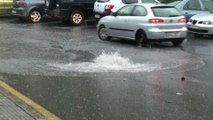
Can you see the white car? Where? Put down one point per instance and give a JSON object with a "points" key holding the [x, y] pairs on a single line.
{"points": [[143, 23], [105, 7], [201, 24]]}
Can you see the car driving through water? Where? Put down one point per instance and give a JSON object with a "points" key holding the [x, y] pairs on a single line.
{"points": [[144, 23]]}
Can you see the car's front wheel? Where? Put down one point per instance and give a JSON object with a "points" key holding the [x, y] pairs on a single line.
{"points": [[102, 33], [35, 16], [76, 17]]}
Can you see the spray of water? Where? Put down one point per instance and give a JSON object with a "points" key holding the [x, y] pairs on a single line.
{"points": [[108, 62]]}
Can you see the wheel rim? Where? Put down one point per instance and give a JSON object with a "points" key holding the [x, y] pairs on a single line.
{"points": [[77, 18], [35, 16], [103, 33]]}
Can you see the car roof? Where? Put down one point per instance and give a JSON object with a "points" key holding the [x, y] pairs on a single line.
{"points": [[151, 4]]}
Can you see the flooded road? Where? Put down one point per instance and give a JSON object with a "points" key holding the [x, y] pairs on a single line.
{"points": [[73, 74]]}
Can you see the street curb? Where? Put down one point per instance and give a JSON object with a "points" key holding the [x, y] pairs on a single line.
{"points": [[40, 109]]}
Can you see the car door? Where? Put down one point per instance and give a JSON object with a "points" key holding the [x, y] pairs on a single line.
{"points": [[138, 18], [118, 24]]}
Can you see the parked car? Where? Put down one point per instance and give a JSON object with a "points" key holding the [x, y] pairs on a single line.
{"points": [[144, 22], [71, 11], [193, 7], [105, 7], [201, 24], [30, 10], [5, 6]]}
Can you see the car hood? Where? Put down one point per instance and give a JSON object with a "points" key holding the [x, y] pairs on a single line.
{"points": [[205, 16]]}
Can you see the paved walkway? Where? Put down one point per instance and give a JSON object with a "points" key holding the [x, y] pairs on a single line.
{"points": [[11, 108], [16, 106]]}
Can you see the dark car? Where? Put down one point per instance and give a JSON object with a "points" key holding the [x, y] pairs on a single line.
{"points": [[72, 11], [30, 10]]}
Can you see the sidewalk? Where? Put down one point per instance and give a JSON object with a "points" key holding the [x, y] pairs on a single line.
{"points": [[11, 108]]}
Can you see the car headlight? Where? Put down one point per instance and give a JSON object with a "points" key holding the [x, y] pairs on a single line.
{"points": [[208, 22]]}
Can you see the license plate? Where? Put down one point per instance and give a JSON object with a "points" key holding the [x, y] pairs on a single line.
{"points": [[97, 16], [171, 34], [13, 11], [194, 27]]}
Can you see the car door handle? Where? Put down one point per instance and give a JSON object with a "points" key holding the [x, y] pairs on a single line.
{"points": [[186, 13]]}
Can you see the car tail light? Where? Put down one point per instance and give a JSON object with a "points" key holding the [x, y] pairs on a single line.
{"points": [[182, 20], [155, 20], [22, 3], [109, 7]]}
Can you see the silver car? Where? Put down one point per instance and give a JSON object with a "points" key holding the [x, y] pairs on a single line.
{"points": [[201, 24], [144, 22], [193, 7]]}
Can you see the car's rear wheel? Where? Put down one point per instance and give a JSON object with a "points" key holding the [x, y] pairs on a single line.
{"points": [[35, 16], [102, 33], [141, 38], [76, 17], [177, 42]]}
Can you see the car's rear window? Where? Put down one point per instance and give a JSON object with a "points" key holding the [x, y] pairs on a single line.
{"points": [[103, 1], [165, 11]]}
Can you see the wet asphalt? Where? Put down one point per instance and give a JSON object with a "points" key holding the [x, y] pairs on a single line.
{"points": [[53, 64]]}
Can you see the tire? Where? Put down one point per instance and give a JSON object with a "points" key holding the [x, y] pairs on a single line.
{"points": [[50, 4], [177, 42], [35, 16], [102, 33], [141, 39], [76, 18]]}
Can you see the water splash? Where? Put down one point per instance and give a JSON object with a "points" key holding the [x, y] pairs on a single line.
{"points": [[108, 62]]}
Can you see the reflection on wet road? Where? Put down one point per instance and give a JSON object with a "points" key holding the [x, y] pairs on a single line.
{"points": [[69, 71]]}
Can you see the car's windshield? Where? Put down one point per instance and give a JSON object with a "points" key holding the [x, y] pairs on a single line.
{"points": [[165, 11], [208, 5]]}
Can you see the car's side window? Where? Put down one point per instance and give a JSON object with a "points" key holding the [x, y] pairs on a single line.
{"points": [[208, 5], [129, 1], [192, 5], [139, 11], [125, 11]]}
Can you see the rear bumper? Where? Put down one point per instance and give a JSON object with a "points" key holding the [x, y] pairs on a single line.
{"points": [[100, 15], [166, 34], [19, 12]]}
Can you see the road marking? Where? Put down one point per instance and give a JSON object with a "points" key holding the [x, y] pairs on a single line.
{"points": [[40, 109]]}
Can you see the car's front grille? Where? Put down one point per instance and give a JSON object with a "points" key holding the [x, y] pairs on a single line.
{"points": [[201, 22], [194, 21], [199, 31]]}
